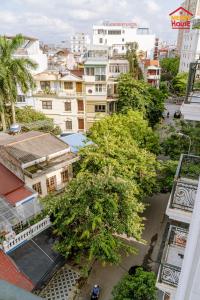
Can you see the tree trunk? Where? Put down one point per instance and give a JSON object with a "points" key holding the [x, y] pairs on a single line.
{"points": [[13, 112], [3, 120]]}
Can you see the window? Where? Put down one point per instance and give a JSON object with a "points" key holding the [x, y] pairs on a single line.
{"points": [[90, 71], [98, 88], [114, 32], [46, 104], [123, 40], [21, 98], [100, 41], [122, 47], [68, 85], [68, 124], [80, 124], [51, 184], [80, 105], [100, 74], [100, 108], [45, 85], [37, 187], [67, 106], [64, 176]]}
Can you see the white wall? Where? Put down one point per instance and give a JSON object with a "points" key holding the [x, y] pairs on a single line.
{"points": [[190, 51], [146, 41], [189, 287]]}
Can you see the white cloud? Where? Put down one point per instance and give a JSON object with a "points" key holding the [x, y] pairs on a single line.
{"points": [[152, 6]]}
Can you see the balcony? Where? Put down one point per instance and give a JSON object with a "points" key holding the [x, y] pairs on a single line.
{"points": [[182, 198], [172, 259], [58, 92]]}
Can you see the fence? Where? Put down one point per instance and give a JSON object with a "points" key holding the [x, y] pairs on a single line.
{"points": [[26, 235]]}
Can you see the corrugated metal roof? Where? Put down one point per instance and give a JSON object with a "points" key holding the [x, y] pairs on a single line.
{"points": [[32, 145], [76, 141]]}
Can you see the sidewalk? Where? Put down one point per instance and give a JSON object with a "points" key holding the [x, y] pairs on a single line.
{"points": [[108, 276]]}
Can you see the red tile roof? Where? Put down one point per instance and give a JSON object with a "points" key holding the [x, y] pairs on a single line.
{"points": [[11, 187], [9, 182], [78, 72], [10, 272], [18, 195]]}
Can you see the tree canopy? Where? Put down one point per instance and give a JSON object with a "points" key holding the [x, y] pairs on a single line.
{"points": [[30, 119], [141, 286], [179, 83], [138, 95], [16, 73], [105, 199], [169, 67]]}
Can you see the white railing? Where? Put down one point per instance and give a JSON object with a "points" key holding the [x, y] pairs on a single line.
{"points": [[26, 235]]}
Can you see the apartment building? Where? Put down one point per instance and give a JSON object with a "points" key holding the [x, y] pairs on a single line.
{"points": [[194, 7], [117, 35], [100, 80], [190, 46], [79, 42], [179, 271], [42, 161], [60, 96], [152, 72], [31, 49]]}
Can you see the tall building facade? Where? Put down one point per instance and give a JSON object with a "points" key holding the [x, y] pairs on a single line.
{"points": [[117, 35], [79, 42], [179, 270]]}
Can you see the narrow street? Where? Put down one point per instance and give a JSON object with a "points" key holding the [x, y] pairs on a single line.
{"points": [[108, 276]]}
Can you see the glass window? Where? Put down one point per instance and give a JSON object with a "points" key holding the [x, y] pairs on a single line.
{"points": [[65, 176], [114, 32], [98, 88], [67, 106], [46, 104], [90, 71], [21, 99], [68, 85], [51, 184], [45, 85], [37, 187], [100, 108], [68, 124]]}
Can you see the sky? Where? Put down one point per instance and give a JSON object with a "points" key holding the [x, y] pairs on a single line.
{"points": [[56, 20]]}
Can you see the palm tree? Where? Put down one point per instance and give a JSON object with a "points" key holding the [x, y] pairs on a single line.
{"points": [[16, 74]]}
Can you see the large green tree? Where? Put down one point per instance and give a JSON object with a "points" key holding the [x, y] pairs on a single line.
{"points": [[169, 67], [92, 211], [30, 119], [105, 199], [16, 73], [138, 95], [141, 286], [179, 83]]}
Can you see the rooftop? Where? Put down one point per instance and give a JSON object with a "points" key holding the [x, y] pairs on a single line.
{"points": [[11, 187], [31, 146], [10, 273], [76, 141]]}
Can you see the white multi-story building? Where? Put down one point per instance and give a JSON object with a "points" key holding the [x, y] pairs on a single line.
{"points": [[179, 271], [117, 35], [190, 46], [31, 49], [79, 42]]}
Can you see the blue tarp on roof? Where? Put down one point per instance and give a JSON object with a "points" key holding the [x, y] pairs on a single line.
{"points": [[76, 141]]}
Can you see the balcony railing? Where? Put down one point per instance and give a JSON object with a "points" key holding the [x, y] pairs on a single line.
{"points": [[57, 92], [170, 274], [173, 255], [26, 235], [185, 183]]}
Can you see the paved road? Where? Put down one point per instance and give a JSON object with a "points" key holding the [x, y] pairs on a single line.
{"points": [[171, 108], [108, 276]]}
